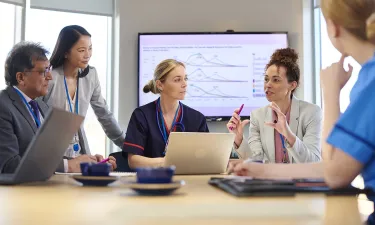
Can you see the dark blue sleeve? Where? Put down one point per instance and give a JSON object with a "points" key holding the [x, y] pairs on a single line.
{"points": [[203, 125], [354, 132], [136, 134]]}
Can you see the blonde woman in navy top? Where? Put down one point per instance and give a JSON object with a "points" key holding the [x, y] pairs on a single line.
{"points": [[150, 125]]}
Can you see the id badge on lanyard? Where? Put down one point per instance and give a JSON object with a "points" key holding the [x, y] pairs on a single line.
{"points": [[75, 143], [162, 126]]}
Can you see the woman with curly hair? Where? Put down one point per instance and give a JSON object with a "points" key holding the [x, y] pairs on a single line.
{"points": [[286, 131]]}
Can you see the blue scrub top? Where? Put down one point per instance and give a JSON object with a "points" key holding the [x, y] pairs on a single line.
{"points": [[354, 132], [143, 136]]}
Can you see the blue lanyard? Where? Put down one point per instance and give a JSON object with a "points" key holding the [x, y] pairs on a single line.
{"points": [[68, 97], [163, 130], [284, 148], [282, 142], [37, 122]]}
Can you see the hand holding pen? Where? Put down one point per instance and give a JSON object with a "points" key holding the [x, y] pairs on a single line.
{"points": [[236, 113], [111, 160], [104, 160], [236, 126]]}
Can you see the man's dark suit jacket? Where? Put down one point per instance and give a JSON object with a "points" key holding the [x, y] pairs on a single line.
{"points": [[17, 128]]}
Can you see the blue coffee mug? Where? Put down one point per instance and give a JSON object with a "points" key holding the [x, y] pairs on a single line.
{"points": [[155, 174]]}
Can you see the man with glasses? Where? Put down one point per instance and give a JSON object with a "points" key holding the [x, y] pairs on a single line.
{"points": [[27, 73]]}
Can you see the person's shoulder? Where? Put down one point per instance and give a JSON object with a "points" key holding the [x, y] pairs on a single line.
{"points": [[192, 112], [369, 65], [93, 68], [146, 109], [366, 78], [5, 101], [259, 112], [4, 95], [92, 71], [309, 111], [366, 72], [56, 73], [309, 107], [143, 113], [91, 78]]}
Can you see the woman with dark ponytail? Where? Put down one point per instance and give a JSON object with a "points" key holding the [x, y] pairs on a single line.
{"points": [[75, 86]]}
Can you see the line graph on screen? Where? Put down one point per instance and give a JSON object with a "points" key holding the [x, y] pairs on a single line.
{"points": [[199, 75], [195, 91], [200, 60]]}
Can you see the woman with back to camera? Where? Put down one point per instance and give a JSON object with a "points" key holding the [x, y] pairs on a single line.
{"points": [[348, 140], [75, 86], [286, 131], [150, 124]]}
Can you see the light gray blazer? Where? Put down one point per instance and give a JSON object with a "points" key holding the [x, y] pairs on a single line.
{"points": [[89, 93], [305, 122]]}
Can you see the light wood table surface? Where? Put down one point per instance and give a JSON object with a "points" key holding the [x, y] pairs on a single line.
{"points": [[62, 200]]}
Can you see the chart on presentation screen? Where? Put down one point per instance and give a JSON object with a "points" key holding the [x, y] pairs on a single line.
{"points": [[217, 75]]}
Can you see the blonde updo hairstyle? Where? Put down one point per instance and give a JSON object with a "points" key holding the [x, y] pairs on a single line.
{"points": [[356, 16], [161, 72]]}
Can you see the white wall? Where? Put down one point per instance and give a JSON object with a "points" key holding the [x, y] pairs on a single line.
{"points": [[199, 15]]}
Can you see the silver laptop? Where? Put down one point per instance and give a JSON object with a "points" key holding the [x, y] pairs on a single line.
{"points": [[199, 153], [46, 149]]}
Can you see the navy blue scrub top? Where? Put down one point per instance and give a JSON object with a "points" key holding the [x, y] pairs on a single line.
{"points": [[143, 136]]}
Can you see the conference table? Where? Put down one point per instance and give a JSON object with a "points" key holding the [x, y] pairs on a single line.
{"points": [[62, 200]]}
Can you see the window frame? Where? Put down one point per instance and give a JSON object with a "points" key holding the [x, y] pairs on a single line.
{"points": [[317, 53]]}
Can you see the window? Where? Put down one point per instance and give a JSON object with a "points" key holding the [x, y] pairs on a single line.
{"points": [[10, 30], [44, 26], [330, 55]]}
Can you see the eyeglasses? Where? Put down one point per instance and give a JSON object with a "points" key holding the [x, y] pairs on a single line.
{"points": [[41, 73]]}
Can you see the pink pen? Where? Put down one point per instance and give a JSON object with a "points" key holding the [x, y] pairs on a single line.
{"points": [[239, 112], [105, 160]]}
